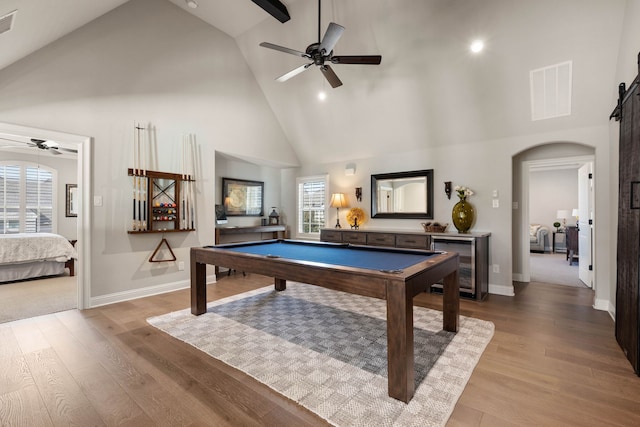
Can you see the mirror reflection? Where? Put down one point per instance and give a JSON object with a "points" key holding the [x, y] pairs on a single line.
{"points": [[402, 195]]}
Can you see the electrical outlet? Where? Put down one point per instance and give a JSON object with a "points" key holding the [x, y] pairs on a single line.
{"points": [[181, 266], [496, 203], [496, 268]]}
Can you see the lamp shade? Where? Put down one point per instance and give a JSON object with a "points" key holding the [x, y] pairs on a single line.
{"points": [[338, 200], [563, 214], [574, 213]]}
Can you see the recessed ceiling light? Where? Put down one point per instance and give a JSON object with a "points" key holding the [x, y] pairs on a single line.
{"points": [[322, 95], [192, 4], [477, 46]]}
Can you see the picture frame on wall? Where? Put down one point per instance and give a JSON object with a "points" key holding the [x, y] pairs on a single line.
{"points": [[242, 197], [71, 200]]}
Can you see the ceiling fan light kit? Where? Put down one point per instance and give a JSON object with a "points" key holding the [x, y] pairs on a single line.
{"points": [[321, 54]]}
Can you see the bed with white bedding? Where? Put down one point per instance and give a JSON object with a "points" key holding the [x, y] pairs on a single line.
{"points": [[30, 255]]}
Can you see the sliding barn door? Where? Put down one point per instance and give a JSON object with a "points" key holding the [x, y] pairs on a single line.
{"points": [[628, 254]]}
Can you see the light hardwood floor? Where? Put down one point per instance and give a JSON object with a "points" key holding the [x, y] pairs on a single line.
{"points": [[553, 361]]}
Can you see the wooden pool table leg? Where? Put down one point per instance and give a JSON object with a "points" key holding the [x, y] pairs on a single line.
{"points": [[451, 303], [280, 284], [198, 287], [401, 374]]}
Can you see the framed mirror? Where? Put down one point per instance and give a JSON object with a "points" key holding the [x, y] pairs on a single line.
{"points": [[402, 195], [242, 198]]}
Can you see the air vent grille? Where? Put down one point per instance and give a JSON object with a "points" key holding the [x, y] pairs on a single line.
{"points": [[6, 21], [551, 91]]}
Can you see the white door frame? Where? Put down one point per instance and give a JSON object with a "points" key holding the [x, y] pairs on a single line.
{"points": [[561, 162], [83, 145]]}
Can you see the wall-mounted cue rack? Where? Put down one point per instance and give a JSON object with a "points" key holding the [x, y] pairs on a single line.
{"points": [[162, 202]]}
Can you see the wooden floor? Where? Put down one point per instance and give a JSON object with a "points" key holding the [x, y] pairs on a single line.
{"points": [[553, 361]]}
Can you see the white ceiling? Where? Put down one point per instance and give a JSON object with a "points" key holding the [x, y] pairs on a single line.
{"points": [[429, 89]]}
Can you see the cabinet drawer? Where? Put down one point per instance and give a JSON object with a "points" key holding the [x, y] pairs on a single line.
{"points": [[355, 238], [331, 236], [381, 239], [412, 242]]}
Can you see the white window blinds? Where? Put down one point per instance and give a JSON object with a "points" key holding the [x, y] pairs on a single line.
{"points": [[26, 199], [312, 196]]}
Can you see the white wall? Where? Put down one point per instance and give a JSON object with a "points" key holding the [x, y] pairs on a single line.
{"points": [[482, 166], [67, 172], [549, 192], [146, 61]]}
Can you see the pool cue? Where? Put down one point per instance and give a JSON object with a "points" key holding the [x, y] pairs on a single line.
{"points": [[144, 182], [191, 183], [135, 173], [182, 201]]}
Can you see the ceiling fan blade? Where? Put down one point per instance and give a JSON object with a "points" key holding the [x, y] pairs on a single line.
{"points": [[331, 37], [284, 49], [357, 59], [331, 77], [293, 72]]}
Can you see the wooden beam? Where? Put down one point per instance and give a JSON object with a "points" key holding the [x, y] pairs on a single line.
{"points": [[275, 9]]}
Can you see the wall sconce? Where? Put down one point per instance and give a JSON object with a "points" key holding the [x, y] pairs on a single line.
{"points": [[447, 189], [359, 193]]}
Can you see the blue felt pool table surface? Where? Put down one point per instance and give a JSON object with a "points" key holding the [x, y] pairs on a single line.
{"points": [[372, 258]]}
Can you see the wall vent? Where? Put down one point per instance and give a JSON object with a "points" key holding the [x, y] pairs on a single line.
{"points": [[551, 91], [6, 21]]}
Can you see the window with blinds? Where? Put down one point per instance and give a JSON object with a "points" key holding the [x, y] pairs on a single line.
{"points": [[312, 205], [26, 198]]}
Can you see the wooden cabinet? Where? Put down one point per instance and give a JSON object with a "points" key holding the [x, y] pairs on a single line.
{"points": [[473, 249], [572, 243], [628, 251]]}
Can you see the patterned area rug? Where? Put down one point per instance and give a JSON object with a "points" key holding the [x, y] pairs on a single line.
{"points": [[327, 350]]}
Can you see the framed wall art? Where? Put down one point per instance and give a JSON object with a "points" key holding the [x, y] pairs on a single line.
{"points": [[242, 197]]}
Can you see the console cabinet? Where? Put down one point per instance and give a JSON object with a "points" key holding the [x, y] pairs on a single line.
{"points": [[473, 249]]}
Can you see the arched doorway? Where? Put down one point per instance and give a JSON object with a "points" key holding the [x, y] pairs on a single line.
{"points": [[555, 155]]}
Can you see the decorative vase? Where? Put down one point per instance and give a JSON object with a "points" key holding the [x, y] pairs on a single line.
{"points": [[462, 216]]}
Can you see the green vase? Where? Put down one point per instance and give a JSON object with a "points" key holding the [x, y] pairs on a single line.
{"points": [[462, 216]]}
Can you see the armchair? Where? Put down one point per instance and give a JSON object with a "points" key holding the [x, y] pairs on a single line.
{"points": [[538, 238]]}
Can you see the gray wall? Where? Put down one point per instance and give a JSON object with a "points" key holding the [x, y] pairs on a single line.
{"points": [[166, 68]]}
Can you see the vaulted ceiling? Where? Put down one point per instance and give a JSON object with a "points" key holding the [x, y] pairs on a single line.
{"points": [[429, 90]]}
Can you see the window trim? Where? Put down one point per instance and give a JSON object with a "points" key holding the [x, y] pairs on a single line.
{"points": [[23, 192], [301, 180]]}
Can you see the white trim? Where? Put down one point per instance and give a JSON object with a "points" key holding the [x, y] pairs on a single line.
{"points": [[506, 290], [143, 292]]}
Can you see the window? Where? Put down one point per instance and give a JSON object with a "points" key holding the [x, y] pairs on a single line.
{"points": [[312, 205], [26, 198]]}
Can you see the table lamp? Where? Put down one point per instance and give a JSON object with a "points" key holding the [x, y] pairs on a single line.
{"points": [[338, 200], [574, 213]]}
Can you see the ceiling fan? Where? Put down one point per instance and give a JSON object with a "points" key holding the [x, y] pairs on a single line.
{"points": [[52, 146], [321, 54]]}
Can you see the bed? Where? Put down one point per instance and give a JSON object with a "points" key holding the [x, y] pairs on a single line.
{"points": [[31, 255]]}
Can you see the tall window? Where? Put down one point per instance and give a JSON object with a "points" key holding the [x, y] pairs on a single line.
{"points": [[26, 198], [312, 205]]}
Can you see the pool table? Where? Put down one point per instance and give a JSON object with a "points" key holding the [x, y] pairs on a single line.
{"points": [[395, 275]]}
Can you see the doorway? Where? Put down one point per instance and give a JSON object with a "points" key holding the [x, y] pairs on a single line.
{"points": [[554, 203], [82, 145], [556, 156]]}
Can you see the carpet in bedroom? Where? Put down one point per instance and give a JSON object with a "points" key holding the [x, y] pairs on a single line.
{"points": [[30, 298]]}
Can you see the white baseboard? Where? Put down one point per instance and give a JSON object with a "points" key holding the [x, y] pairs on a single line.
{"points": [[143, 292], [605, 305], [517, 277], [506, 290]]}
